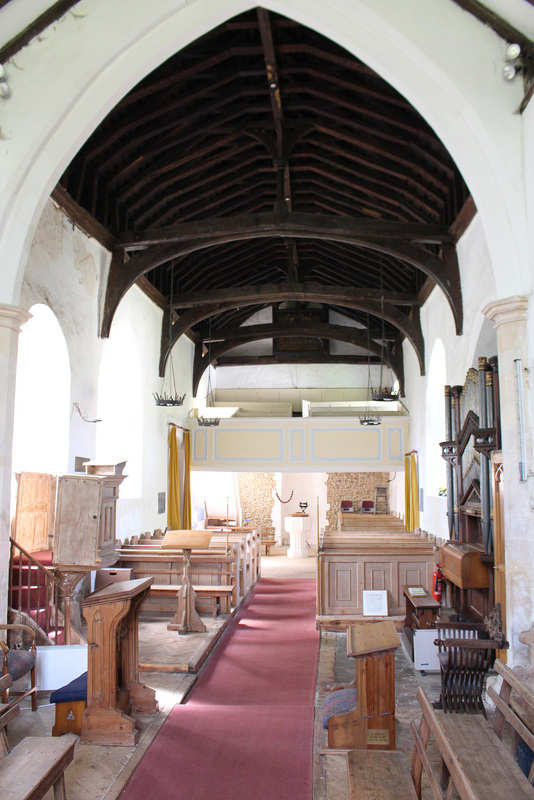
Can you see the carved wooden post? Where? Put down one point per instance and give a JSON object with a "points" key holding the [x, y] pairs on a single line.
{"points": [[458, 473], [453, 533], [485, 500], [186, 618]]}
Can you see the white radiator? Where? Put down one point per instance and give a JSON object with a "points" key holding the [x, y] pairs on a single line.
{"points": [[425, 652], [59, 664]]}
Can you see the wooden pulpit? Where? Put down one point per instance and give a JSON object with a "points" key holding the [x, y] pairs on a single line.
{"points": [[113, 687]]}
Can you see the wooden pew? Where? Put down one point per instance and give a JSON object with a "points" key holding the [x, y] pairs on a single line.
{"points": [[267, 539], [474, 759], [36, 764], [249, 543], [404, 559], [244, 543], [354, 521], [247, 540], [213, 567], [216, 593]]}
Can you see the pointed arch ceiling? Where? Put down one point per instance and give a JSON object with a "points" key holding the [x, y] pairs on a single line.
{"points": [[264, 168]]}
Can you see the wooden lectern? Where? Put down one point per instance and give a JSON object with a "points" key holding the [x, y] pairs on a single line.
{"points": [[113, 687], [371, 725], [186, 617]]}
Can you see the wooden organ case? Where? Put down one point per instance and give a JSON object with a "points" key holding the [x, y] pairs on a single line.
{"points": [[473, 433]]}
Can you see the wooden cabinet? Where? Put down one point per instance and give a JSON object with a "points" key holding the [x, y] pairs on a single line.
{"points": [[462, 565]]}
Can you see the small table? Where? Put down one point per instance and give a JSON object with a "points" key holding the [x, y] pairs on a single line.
{"points": [[373, 645], [421, 612]]}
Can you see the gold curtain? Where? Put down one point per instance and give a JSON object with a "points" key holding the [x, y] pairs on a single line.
{"points": [[173, 515], [411, 493], [187, 480], [407, 510]]}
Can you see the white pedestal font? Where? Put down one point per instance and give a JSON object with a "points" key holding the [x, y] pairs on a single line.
{"points": [[297, 525]]}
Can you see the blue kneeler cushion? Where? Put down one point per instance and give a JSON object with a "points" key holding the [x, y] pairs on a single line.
{"points": [[339, 702], [71, 692]]}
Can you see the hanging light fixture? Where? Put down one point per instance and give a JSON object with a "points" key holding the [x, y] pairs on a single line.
{"points": [[208, 421], [369, 419], [173, 398], [383, 393]]}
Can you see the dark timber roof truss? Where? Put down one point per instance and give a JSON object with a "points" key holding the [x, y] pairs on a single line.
{"points": [[264, 168]]}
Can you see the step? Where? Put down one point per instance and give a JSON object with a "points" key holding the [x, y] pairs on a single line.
{"points": [[20, 595]]}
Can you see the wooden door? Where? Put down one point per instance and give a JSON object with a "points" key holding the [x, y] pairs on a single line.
{"points": [[497, 488], [79, 503], [36, 504]]}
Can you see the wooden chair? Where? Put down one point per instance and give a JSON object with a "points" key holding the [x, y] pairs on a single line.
{"points": [[465, 660], [18, 662]]}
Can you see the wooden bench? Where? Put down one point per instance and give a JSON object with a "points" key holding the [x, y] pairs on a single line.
{"points": [[36, 764], [268, 543], [218, 593], [368, 775], [70, 702], [474, 761]]}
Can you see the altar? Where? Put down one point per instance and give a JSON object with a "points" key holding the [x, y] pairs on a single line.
{"points": [[297, 526]]}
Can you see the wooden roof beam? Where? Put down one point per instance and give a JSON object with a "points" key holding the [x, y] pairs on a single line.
{"points": [[410, 327], [202, 360]]}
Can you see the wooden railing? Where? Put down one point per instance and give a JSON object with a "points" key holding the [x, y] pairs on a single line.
{"points": [[47, 591]]}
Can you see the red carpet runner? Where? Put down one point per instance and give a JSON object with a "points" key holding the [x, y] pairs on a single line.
{"points": [[246, 733]]}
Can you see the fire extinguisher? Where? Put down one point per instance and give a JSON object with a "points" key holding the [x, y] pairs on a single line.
{"points": [[436, 583]]}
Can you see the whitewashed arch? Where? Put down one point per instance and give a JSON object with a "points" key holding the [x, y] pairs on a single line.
{"points": [[443, 60], [42, 396]]}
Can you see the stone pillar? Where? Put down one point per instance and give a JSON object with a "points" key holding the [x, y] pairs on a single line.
{"points": [[11, 321], [510, 319]]}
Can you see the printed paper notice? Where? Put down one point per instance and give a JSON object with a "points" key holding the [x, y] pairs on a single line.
{"points": [[375, 603]]}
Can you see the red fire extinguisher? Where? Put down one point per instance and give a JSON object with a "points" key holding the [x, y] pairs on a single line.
{"points": [[436, 583]]}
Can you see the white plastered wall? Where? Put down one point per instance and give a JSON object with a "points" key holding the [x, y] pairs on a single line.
{"points": [[64, 272]]}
